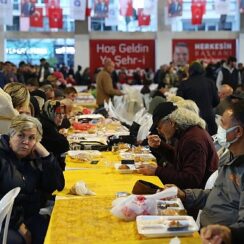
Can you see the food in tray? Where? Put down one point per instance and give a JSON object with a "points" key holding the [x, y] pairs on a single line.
{"points": [[122, 146], [138, 149], [165, 226], [172, 212], [123, 166], [91, 131], [84, 155], [164, 205], [176, 225]]}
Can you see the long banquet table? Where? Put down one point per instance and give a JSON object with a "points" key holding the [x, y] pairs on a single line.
{"points": [[87, 219]]}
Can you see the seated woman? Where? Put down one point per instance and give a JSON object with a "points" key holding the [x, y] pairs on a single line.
{"points": [[51, 118], [25, 163], [192, 158], [13, 99]]}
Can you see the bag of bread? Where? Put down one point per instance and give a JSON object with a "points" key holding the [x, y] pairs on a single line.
{"points": [[80, 188]]}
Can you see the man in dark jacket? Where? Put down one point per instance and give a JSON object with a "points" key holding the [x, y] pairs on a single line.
{"points": [[203, 92], [229, 74], [193, 158]]}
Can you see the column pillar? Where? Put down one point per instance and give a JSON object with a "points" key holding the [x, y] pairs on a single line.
{"points": [[82, 48], [2, 44]]}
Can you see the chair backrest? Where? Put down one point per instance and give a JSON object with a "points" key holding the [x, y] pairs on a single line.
{"points": [[209, 185], [6, 205]]}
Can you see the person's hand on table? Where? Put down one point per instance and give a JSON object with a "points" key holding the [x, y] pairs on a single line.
{"points": [[215, 234], [180, 194], [147, 169], [154, 141], [64, 131]]}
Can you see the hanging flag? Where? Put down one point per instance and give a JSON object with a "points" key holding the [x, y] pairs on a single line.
{"points": [[126, 7], [24, 23], [198, 9], [26, 8], [174, 8], [222, 6], [88, 12], [113, 15], [150, 6], [36, 19], [100, 8], [55, 16], [143, 19], [51, 4], [78, 9], [241, 4], [6, 15]]}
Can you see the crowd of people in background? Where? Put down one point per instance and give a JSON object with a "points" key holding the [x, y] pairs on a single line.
{"points": [[181, 130]]}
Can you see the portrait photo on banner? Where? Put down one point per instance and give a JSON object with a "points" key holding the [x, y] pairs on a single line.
{"points": [[174, 8], [100, 8], [27, 8]]}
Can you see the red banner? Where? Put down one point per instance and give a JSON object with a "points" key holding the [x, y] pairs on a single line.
{"points": [[130, 54], [187, 50]]}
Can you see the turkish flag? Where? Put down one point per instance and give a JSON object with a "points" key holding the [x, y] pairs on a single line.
{"points": [[143, 19], [88, 12], [198, 9], [55, 16], [36, 19], [50, 4], [126, 7]]}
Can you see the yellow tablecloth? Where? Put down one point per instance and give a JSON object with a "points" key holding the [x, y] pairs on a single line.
{"points": [[106, 157], [87, 219], [104, 182]]}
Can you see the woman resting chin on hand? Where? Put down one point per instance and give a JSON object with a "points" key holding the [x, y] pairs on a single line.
{"points": [[25, 163]]}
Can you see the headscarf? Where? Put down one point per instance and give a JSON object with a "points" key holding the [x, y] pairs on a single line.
{"points": [[52, 107]]}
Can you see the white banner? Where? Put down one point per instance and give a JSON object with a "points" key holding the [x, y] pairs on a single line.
{"points": [[222, 6], [6, 15], [113, 15], [150, 6], [24, 23], [78, 9]]}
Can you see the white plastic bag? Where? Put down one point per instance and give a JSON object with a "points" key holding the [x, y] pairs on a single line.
{"points": [[128, 208]]}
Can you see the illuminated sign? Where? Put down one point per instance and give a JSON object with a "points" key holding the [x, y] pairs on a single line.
{"points": [[65, 50], [24, 50]]}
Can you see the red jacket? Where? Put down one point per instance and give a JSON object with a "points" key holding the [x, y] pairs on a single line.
{"points": [[193, 161]]}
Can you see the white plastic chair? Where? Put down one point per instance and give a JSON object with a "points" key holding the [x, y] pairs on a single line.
{"points": [[209, 185], [6, 205]]}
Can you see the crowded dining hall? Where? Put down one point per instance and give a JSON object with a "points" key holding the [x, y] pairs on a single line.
{"points": [[122, 121]]}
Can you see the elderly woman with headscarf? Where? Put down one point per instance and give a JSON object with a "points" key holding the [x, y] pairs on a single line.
{"points": [[192, 158], [25, 163], [51, 118]]}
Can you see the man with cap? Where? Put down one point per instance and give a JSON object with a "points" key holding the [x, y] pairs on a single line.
{"points": [[190, 155]]}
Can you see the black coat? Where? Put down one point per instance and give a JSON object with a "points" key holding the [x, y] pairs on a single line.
{"points": [[204, 93], [36, 178], [52, 140]]}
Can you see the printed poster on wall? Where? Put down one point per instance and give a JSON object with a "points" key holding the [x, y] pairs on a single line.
{"points": [[187, 50], [131, 54]]}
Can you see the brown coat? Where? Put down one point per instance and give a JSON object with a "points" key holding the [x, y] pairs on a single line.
{"points": [[105, 88]]}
